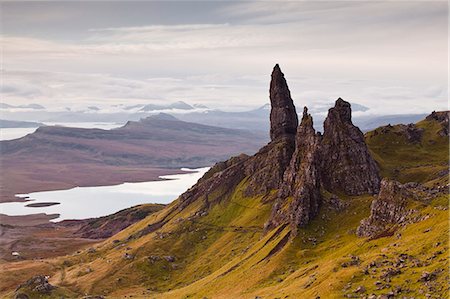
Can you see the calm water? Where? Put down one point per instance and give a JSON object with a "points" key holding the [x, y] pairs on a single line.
{"points": [[87, 202], [14, 133]]}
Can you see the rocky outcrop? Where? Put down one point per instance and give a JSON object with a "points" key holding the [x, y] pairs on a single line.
{"points": [[107, 226], [38, 284], [387, 210], [292, 168], [443, 118], [222, 178], [283, 117], [299, 196], [410, 132], [347, 165]]}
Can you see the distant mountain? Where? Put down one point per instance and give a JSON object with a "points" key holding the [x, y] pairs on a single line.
{"points": [[141, 150], [19, 124], [29, 106], [177, 105], [367, 123]]}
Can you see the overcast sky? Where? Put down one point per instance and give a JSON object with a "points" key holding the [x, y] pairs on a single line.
{"points": [[389, 56]]}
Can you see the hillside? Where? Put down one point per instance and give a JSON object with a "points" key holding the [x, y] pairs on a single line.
{"points": [[307, 216], [139, 151]]}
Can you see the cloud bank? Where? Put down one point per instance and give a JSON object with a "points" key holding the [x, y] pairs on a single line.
{"points": [[389, 56]]}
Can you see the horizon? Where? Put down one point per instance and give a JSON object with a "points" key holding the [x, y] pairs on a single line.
{"points": [[156, 53]]}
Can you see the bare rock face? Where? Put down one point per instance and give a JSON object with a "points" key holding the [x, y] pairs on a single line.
{"points": [[283, 117], [223, 175], [299, 197], [347, 165], [265, 170], [389, 208], [443, 118]]}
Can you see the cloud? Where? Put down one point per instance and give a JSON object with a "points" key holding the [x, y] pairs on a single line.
{"points": [[389, 56]]}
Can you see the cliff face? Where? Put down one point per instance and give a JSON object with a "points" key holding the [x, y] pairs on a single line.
{"points": [[299, 196], [347, 165], [290, 171]]}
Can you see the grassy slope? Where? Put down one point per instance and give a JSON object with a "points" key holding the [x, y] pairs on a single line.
{"points": [[226, 255], [409, 162]]}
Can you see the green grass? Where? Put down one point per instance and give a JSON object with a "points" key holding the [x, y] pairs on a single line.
{"points": [[410, 162]]}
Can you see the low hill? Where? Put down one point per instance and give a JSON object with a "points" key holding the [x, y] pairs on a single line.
{"points": [[139, 151]]}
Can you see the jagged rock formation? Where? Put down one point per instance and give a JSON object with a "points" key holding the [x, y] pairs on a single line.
{"points": [[443, 118], [283, 117], [266, 169], [389, 208], [347, 165], [299, 196]]}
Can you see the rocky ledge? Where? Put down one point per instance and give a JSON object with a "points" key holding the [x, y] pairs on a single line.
{"points": [[390, 208]]}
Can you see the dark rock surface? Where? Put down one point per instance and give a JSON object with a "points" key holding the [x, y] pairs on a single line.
{"points": [[283, 117], [301, 181], [347, 165], [412, 133], [389, 208], [443, 118]]}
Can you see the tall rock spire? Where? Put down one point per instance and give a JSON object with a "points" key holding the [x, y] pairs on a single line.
{"points": [[347, 165], [283, 117], [301, 181]]}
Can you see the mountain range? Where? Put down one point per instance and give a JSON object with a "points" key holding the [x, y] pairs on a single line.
{"points": [[254, 119]]}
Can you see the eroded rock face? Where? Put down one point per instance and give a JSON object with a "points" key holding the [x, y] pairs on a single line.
{"points": [[283, 117], [347, 165], [389, 208], [299, 196], [265, 170], [223, 175], [443, 118]]}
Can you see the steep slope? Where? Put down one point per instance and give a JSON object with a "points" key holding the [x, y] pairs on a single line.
{"points": [[265, 226]]}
